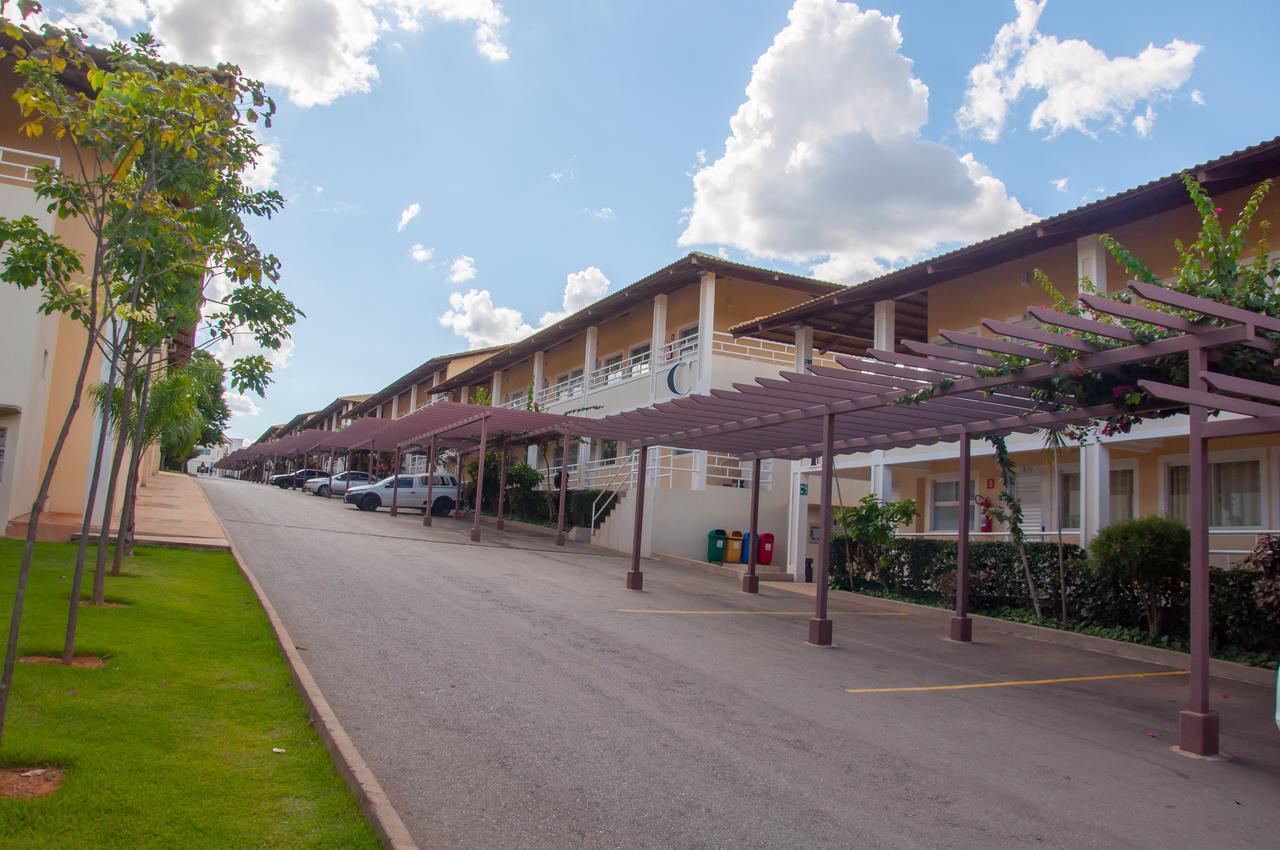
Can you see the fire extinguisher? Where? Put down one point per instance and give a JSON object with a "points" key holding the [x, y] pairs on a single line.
{"points": [[984, 519]]}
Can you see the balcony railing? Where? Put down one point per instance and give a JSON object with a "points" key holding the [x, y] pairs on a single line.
{"points": [[16, 166], [635, 366]]}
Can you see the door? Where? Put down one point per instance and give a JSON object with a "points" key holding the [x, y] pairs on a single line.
{"points": [[1031, 496]]}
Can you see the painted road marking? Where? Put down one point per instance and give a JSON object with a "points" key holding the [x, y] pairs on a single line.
{"points": [[1015, 684], [766, 613]]}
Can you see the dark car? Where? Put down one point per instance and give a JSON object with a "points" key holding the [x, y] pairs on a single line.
{"points": [[297, 478]]}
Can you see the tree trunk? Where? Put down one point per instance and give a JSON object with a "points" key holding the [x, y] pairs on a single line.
{"points": [[117, 459], [1031, 582], [33, 520], [124, 540], [77, 576]]}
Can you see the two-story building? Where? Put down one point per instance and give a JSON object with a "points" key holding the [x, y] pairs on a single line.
{"points": [[1111, 478], [663, 337]]}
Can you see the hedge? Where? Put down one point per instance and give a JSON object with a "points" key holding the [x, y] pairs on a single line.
{"points": [[1245, 604]]}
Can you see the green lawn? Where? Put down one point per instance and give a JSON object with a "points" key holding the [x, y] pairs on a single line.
{"points": [[169, 745]]}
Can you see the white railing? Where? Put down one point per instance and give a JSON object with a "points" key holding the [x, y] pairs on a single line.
{"points": [[780, 354], [568, 389], [682, 349], [16, 165], [519, 402], [635, 366]]}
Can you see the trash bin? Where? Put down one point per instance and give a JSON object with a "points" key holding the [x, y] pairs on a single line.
{"points": [[808, 570], [715, 545], [747, 543], [764, 555], [733, 548]]}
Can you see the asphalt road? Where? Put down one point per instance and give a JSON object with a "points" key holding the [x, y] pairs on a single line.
{"points": [[505, 697]]}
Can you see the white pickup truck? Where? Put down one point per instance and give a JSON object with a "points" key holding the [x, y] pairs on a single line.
{"points": [[411, 493]]}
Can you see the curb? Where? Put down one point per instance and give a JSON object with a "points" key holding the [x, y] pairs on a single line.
{"points": [[1229, 670], [351, 765]]}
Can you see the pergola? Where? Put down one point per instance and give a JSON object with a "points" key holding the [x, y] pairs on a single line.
{"points": [[448, 424], [935, 393]]}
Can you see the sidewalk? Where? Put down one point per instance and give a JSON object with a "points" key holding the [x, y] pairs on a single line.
{"points": [[173, 511]]}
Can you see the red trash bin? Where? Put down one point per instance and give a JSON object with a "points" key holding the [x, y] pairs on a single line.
{"points": [[764, 555]]}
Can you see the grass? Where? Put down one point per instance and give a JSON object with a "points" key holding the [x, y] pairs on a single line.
{"points": [[169, 745]]}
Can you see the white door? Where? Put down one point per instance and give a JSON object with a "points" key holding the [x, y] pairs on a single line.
{"points": [[1031, 496]]}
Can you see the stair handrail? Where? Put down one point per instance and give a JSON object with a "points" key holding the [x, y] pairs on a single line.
{"points": [[612, 488]]}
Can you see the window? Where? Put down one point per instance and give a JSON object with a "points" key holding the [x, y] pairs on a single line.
{"points": [[1235, 493], [1069, 500], [945, 507], [609, 451], [640, 359], [1123, 495]]}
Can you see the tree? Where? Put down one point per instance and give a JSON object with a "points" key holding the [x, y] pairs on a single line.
{"points": [[1150, 554], [153, 156], [870, 527]]}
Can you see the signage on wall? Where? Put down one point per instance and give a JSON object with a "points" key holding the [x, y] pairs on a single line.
{"points": [[804, 488], [991, 484], [678, 381]]}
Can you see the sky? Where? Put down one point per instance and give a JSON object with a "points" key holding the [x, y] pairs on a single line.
{"points": [[461, 172]]}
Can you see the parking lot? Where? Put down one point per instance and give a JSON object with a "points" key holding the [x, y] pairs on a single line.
{"points": [[512, 694]]}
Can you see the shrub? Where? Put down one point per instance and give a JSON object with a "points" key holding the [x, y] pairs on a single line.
{"points": [[869, 528], [1151, 555]]}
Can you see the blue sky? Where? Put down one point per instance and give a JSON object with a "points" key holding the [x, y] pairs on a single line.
{"points": [[477, 104]]}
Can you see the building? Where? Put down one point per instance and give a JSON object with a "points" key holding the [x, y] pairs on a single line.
{"points": [[41, 356], [207, 456], [1120, 475], [663, 337]]}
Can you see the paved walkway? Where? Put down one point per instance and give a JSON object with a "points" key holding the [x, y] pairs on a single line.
{"points": [[519, 697], [174, 511]]}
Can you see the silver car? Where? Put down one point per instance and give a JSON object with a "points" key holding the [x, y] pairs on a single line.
{"points": [[411, 493], [341, 482]]}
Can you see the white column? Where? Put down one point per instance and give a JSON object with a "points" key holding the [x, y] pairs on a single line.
{"points": [[1095, 490], [657, 343], [699, 470], [797, 523], [395, 406], [881, 477], [539, 362], [804, 347], [1091, 261], [464, 394], [584, 457], [589, 356], [413, 398], [706, 328], [885, 338], [495, 390], [435, 382]]}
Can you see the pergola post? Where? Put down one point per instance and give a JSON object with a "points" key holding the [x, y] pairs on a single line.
{"points": [[961, 625], [820, 625], [457, 508], [395, 482], [564, 487], [1198, 724], [502, 484], [329, 492], [751, 581], [431, 480], [475, 521], [635, 578], [370, 465]]}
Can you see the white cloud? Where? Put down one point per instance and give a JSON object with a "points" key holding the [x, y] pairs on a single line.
{"points": [[580, 289], [317, 50], [462, 269], [1081, 88], [262, 175], [408, 214], [1197, 97], [820, 171], [556, 176], [1144, 123], [241, 405], [475, 318], [420, 252], [604, 213], [1060, 183]]}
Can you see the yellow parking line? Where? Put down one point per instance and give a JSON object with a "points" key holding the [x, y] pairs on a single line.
{"points": [[1015, 684], [765, 613]]}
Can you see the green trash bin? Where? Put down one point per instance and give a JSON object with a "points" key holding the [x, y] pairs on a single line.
{"points": [[716, 539]]}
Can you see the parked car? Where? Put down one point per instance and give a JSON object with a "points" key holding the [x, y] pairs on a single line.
{"points": [[412, 493], [297, 478], [320, 486]]}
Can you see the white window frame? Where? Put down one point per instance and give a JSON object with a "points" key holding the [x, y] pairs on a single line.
{"points": [[1128, 463], [944, 478], [1266, 482]]}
